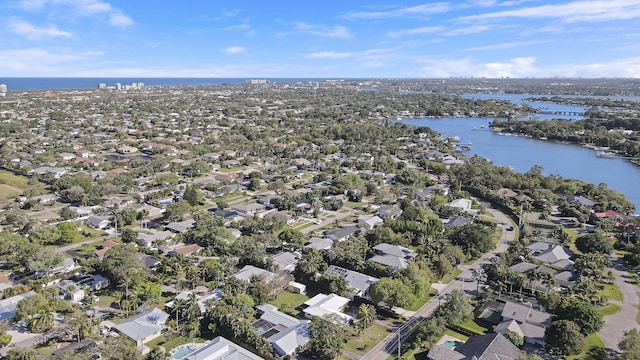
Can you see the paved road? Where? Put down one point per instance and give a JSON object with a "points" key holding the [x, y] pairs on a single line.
{"points": [[624, 320], [388, 346]]}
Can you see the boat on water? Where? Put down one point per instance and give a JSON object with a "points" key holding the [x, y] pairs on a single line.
{"points": [[606, 154]]}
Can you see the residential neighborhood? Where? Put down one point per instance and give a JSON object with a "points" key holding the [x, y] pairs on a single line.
{"points": [[271, 221]]}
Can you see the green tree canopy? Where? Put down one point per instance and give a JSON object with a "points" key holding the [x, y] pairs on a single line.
{"points": [[564, 338], [326, 339]]}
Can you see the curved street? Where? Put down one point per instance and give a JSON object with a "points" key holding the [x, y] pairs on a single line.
{"points": [[624, 320]]}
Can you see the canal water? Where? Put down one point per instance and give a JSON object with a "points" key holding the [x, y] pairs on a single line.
{"points": [[522, 153]]}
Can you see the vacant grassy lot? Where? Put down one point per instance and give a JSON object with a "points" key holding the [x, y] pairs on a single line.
{"points": [[363, 343], [288, 302]]}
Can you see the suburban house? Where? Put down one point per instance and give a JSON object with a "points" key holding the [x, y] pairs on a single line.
{"points": [[556, 255], [389, 212], [369, 221], [359, 283], [8, 305], [327, 306], [319, 244], [181, 226], [144, 327], [480, 347], [156, 237], [221, 349], [394, 256], [249, 271], [249, 209], [463, 205], [527, 322], [287, 261], [342, 234], [98, 222], [71, 290], [456, 221], [286, 334]]}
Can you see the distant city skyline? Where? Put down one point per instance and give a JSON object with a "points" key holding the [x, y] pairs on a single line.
{"points": [[374, 39]]}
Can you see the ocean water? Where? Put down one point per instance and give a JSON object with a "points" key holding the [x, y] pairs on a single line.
{"points": [[52, 83]]}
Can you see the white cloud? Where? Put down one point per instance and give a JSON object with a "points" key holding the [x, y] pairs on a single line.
{"points": [[575, 11], [468, 30], [41, 62], [415, 31], [120, 20], [522, 67], [336, 31], [86, 8], [412, 11], [330, 55], [232, 50], [33, 32], [507, 45], [231, 13], [239, 27]]}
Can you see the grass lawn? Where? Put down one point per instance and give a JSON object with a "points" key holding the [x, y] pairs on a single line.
{"points": [[10, 184], [475, 325], [373, 335], [303, 225], [609, 309], [87, 249], [231, 169], [612, 292], [418, 302], [288, 302], [450, 276], [456, 335], [8, 192], [593, 349]]}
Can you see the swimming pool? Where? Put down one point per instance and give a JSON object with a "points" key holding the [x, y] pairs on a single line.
{"points": [[182, 352], [451, 344]]}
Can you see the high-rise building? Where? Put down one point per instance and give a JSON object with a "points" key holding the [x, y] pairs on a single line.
{"points": [[256, 81], [102, 86], [118, 86], [3, 88]]}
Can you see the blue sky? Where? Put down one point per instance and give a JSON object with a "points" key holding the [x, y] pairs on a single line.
{"points": [[329, 38]]}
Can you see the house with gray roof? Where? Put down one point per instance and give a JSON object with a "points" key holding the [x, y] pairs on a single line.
{"points": [[492, 346], [8, 305], [144, 327], [98, 222], [391, 212], [319, 244], [222, 349], [369, 221], [524, 313], [342, 234], [552, 254], [287, 261], [359, 283], [285, 333], [456, 221], [180, 227], [395, 256]]}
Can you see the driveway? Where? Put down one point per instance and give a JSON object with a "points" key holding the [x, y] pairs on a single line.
{"points": [[624, 320]]}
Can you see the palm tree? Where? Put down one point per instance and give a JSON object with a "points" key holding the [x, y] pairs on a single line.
{"points": [[367, 314], [193, 329], [532, 277]]}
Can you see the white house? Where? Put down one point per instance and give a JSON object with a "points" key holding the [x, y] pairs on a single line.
{"points": [[327, 306]]}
